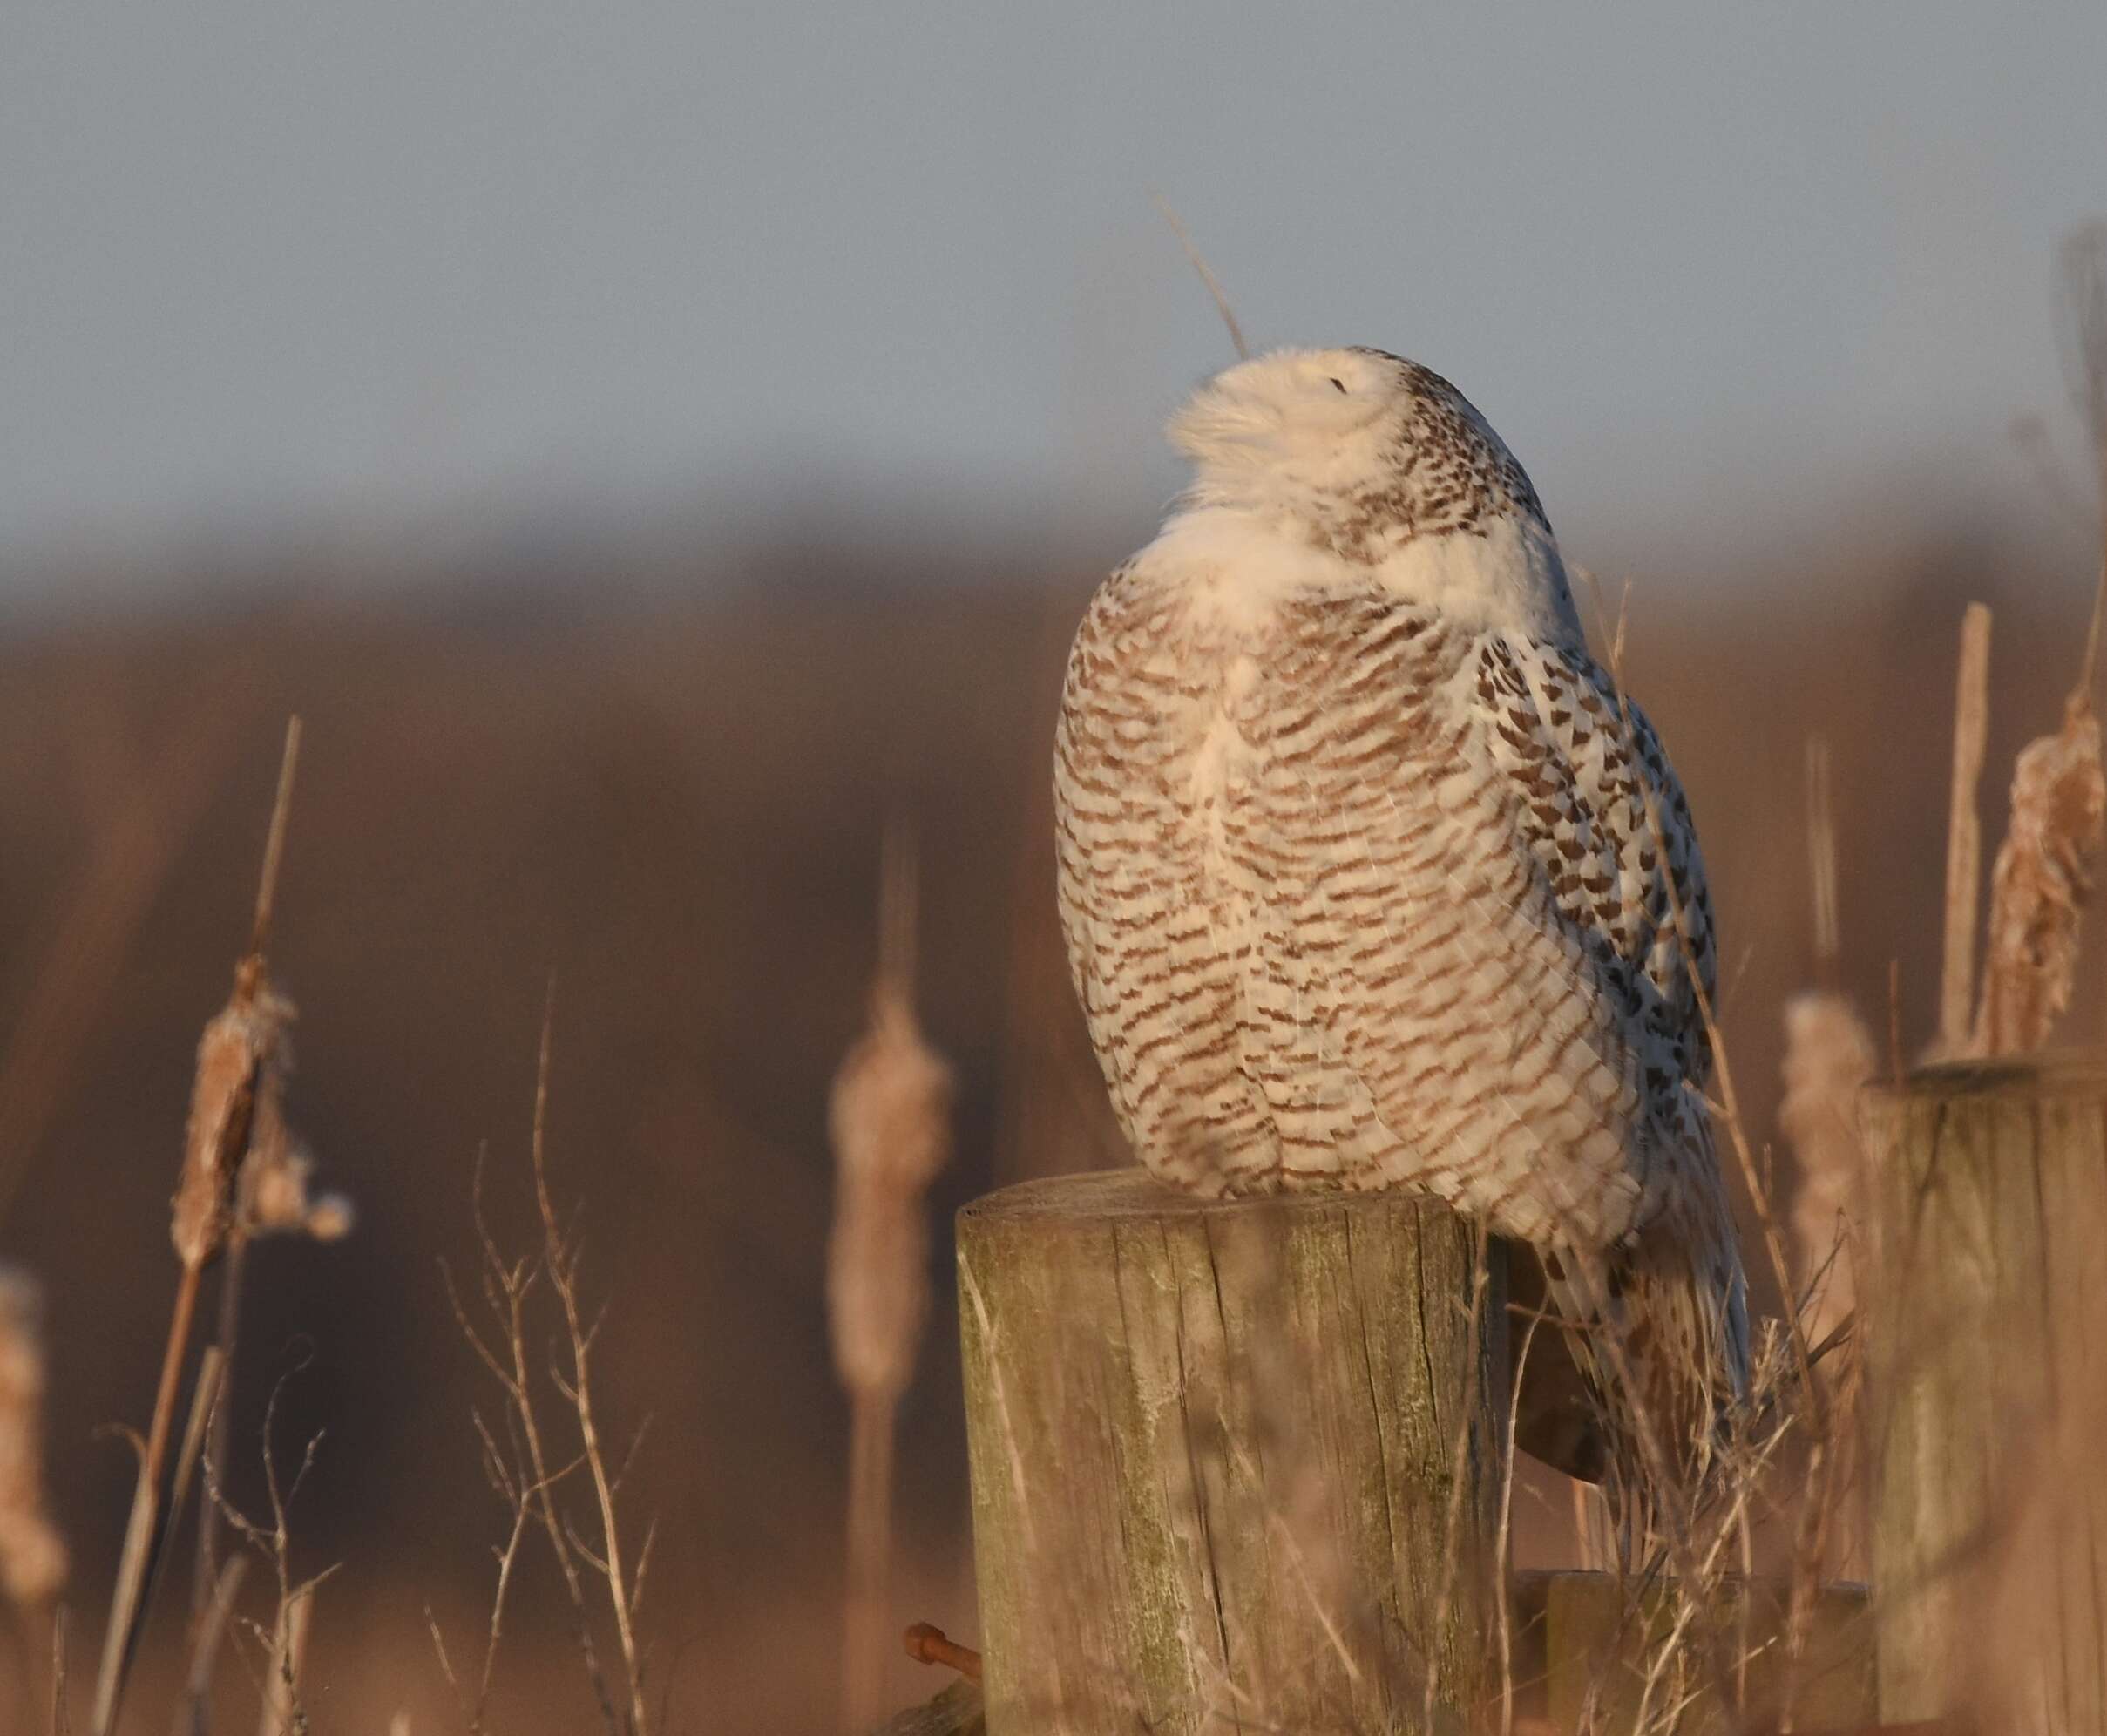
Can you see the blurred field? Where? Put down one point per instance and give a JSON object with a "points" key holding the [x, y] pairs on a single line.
{"points": [[668, 787]]}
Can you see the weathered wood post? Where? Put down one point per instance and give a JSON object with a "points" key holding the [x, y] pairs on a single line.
{"points": [[1987, 1360], [1235, 1464]]}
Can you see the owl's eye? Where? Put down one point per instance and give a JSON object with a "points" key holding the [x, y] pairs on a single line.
{"points": [[1341, 385]]}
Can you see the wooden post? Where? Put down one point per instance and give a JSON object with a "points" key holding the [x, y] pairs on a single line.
{"points": [[1988, 1417], [1235, 1464]]}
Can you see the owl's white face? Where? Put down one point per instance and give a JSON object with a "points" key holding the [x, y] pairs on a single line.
{"points": [[1354, 437], [1328, 417], [1377, 465]]}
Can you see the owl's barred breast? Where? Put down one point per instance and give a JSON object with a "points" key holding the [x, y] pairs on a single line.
{"points": [[1371, 878], [1310, 951]]}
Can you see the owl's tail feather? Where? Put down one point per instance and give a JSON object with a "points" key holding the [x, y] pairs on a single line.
{"points": [[1656, 1332]]}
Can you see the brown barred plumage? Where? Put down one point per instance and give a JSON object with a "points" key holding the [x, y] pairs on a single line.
{"points": [[1356, 867]]}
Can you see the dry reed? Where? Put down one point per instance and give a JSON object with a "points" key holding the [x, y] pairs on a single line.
{"points": [[238, 1120], [237, 1095], [1964, 832], [890, 1118], [1828, 922], [1207, 276], [59, 1722]]}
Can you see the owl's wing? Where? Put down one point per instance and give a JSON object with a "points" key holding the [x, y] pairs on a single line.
{"points": [[1601, 812], [1471, 856]]}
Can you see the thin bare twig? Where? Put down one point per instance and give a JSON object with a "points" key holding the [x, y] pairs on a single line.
{"points": [[60, 1723], [1207, 276], [560, 1261], [280, 1714], [519, 1461], [529, 1484], [284, 1644], [192, 1708]]}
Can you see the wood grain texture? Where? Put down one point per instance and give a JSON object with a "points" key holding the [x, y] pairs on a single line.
{"points": [[1215, 1451], [1989, 1394]]}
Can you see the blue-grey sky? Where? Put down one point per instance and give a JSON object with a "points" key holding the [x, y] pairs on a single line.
{"points": [[389, 259]]}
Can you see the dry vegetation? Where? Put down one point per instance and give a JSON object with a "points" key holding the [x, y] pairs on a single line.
{"points": [[474, 809], [546, 1457], [677, 806]]}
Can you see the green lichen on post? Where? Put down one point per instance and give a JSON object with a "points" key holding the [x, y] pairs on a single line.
{"points": [[1216, 1450]]}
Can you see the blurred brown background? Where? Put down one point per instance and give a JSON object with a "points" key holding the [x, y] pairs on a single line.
{"points": [[651, 447], [664, 782]]}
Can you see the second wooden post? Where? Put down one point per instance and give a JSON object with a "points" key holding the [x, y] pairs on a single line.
{"points": [[1989, 1395], [1235, 1464]]}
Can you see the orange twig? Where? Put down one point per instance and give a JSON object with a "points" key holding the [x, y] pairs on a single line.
{"points": [[928, 1645]]}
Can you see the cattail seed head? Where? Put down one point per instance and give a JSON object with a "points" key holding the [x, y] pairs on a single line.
{"points": [[890, 1117], [330, 1218], [1829, 1059], [242, 1060], [2039, 887], [32, 1554]]}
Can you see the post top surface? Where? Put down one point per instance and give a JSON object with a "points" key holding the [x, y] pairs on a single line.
{"points": [[2059, 1073], [1133, 1192]]}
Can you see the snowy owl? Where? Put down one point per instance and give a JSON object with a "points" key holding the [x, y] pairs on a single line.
{"points": [[1356, 867]]}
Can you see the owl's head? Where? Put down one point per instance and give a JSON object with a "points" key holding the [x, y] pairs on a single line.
{"points": [[1366, 449]]}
